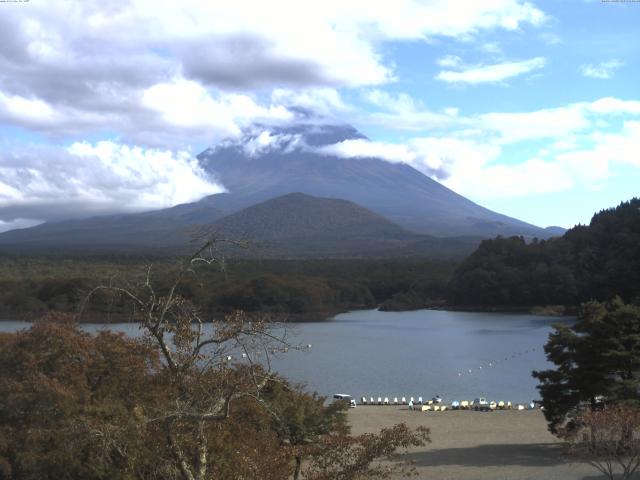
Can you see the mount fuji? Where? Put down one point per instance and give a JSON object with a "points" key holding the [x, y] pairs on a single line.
{"points": [[355, 205]]}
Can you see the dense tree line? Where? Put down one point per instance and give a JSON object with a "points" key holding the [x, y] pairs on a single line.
{"points": [[598, 261], [296, 289]]}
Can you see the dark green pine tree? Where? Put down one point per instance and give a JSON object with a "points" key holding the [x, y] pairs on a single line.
{"points": [[598, 356]]}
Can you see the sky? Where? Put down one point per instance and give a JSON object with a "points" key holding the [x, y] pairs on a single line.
{"points": [[530, 108]]}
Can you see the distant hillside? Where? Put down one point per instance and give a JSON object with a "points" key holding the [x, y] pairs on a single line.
{"points": [[158, 231], [299, 225], [597, 261], [292, 226], [555, 231], [297, 215]]}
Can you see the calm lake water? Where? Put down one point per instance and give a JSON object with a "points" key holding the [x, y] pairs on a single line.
{"points": [[458, 355]]}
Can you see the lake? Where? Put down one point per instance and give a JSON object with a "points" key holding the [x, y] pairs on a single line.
{"points": [[458, 355]]}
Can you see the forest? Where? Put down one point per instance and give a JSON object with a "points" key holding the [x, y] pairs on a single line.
{"points": [[295, 290], [589, 262]]}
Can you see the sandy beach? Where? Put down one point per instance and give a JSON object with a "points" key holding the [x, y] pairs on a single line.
{"points": [[468, 445]]}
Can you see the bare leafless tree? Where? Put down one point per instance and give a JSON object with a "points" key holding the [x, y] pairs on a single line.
{"points": [[608, 439], [208, 364]]}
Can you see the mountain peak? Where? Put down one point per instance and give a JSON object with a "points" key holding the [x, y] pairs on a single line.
{"points": [[259, 140], [269, 161], [319, 135]]}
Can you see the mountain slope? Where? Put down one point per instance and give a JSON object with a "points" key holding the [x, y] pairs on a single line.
{"points": [[161, 229], [291, 226], [394, 190], [297, 215], [299, 225]]}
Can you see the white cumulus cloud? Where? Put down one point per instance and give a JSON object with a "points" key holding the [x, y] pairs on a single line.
{"points": [[537, 124], [468, 155], [494, 73], [49, 183], [80, 67], [603, 70], [436, 157], [187, 104]]}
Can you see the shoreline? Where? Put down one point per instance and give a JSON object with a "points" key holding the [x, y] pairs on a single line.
{"points": [[541, 310], [92, 318], [326, 316]]}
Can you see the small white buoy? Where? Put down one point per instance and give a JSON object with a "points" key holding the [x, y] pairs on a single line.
{"points": [[228, 358]]}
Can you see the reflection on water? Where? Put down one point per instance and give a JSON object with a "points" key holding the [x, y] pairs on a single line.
{"points": [[458, 355]]}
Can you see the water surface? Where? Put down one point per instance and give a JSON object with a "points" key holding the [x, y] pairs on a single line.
{"points": [[458, 355]]}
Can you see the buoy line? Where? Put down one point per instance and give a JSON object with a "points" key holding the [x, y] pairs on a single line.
{"points": [[494, 363]]}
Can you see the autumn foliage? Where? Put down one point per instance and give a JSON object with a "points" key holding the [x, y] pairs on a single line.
{"points": [[75, 405]]}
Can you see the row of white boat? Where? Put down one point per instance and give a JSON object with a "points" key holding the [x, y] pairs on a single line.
{"points": [[435, 404]]}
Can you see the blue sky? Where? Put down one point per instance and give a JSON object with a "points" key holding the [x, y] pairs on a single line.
{"points": [[531, 109]]}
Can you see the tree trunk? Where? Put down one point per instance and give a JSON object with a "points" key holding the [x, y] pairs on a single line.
{"points": [[183, 466], [202, 452], [296, 473]]}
